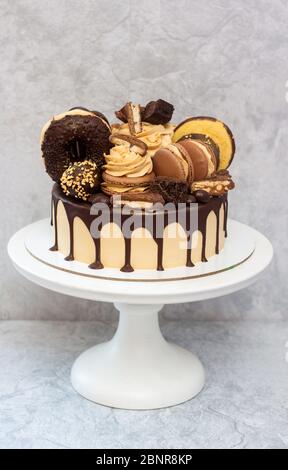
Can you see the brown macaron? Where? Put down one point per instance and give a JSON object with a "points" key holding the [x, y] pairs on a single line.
{"points": [[202, 157], [173, 161], [211, 129]]}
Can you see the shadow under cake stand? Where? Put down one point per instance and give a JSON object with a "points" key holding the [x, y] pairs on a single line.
{"points": [[138, 368]]}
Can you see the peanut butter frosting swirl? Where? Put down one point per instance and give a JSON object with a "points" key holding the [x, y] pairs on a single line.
{"points": [[153, 135], [125, 161]]}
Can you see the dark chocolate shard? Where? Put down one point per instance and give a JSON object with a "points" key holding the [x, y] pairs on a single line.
{"points": [[158, 112]]}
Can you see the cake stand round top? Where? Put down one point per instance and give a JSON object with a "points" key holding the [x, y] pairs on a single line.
{"points": [[160, 291]]}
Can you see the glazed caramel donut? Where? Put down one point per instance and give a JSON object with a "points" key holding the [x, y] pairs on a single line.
{"points": [[74, 136]]}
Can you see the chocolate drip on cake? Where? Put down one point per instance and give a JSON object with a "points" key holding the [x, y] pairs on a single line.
{"points": [[97, 264], [225, 215], [82, 209], [54, 204], [127, 268], [70, 256], [159, 239], [51, 212], [189, 262], [217, 232], [202, 222], [159, 242]]}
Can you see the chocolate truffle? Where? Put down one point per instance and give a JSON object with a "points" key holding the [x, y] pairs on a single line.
{"points": [[81, 180], [201, 196]]}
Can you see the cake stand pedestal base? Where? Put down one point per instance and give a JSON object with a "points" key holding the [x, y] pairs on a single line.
{"points": [[137, 368]]}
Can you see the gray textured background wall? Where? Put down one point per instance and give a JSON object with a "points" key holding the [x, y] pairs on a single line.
{"points": [[214, 57]]}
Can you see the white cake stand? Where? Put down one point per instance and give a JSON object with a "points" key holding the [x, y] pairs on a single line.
{"points": [[138, 368]]}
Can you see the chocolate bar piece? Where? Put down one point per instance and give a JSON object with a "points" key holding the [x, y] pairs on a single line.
{"points": [[122, 114], [140, 147], [134, 118], [214, 186]]}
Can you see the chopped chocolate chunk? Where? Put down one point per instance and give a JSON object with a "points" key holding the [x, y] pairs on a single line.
{"points": [[172, 190], [158, 112]]}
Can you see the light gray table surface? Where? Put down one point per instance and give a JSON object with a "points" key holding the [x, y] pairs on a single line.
{"points": [[244, 403]]}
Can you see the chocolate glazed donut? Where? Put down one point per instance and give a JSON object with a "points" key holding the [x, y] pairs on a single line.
{"points": [[73, 138]]}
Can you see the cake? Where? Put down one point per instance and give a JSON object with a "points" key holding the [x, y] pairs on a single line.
{"points": [[141, 193]]}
